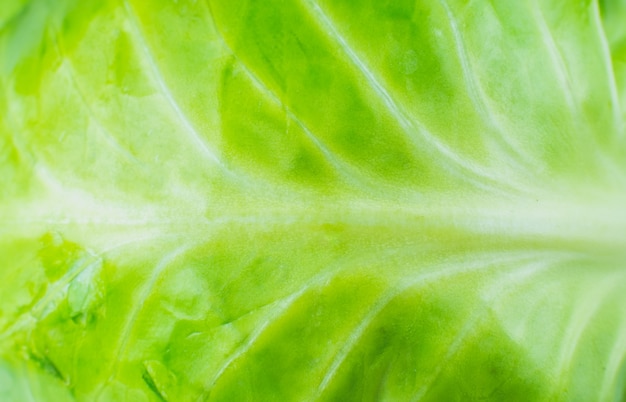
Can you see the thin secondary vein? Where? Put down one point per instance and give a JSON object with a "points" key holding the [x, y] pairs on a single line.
{"points": [[587, 306], [340, 166], [615, 360], [431, 276], [138, 306], [497, 290], [166, 92], [477, 95], [410, 126], [109, 137], [556, 60], [283, 305], [606, 55]]}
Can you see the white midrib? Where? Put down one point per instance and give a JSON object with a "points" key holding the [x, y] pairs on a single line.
{"points": [[542, 222], [601, 223]]}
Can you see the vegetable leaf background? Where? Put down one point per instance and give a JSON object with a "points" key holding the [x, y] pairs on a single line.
{"points": [[312, 200]]}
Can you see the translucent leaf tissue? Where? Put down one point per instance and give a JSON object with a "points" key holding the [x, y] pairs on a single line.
{"points": [[312, 200]]}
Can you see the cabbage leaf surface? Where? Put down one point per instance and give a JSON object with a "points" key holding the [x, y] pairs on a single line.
{"points": [[294, 200]]}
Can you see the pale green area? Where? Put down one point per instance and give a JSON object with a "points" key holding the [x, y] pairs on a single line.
{"points": [[312, 200], [614, 12]]}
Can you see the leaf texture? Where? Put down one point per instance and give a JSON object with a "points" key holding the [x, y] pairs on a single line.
{"points": [[312, 200]]}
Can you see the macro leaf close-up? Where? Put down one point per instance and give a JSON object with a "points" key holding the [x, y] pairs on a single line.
{"points": [[312, 200]]}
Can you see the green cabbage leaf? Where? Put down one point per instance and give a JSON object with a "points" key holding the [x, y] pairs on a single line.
{"points": [[302, 200]]}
